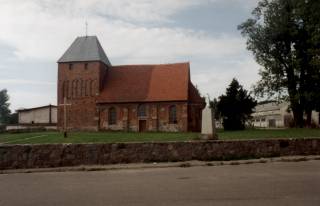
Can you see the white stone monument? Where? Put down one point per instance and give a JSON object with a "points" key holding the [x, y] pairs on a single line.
{"points": [[208, 125]]}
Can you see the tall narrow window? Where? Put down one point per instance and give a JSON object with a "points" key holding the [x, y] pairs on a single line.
{"points": [[83, 88], [66, 89], [73, 89], [77, 89], [173, 114], [142, 110], [86, 66], [93, 85], [70, 66], [112, 116], [87, 91]]}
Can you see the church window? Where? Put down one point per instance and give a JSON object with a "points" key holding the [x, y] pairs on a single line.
{"points": [[86, 66], [86, 88], [65, 89], [70, 66], [82, 88], [173, 114], [142, 110], [112, 116], [93, 85], [77, 89], [73, 89]]}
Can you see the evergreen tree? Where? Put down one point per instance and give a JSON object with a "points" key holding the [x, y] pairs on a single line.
{"points": [[235, 107]]}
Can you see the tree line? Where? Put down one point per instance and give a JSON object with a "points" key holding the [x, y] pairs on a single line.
{"points": [[6, 117], [284, 37]]}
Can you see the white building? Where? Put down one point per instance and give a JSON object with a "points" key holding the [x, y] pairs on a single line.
{"points": [[274, 114], [45, 115]]}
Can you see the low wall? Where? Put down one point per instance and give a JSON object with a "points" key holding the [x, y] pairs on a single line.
{"points": [[31, 128], [58, 155]]}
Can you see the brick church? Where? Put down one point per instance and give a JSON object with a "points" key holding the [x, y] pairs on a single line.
{"points": [[102, 96]]}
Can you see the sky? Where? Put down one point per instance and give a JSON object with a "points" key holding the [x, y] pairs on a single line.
{"points": [[35, 33]]}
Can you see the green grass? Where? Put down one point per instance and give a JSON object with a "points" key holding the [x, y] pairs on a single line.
{"points": [[109, 137], [93, 137], [269, 133]]}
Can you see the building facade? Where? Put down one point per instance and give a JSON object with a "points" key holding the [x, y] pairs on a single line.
{"points": [[276, 115], [100, 96], [44, 115]]}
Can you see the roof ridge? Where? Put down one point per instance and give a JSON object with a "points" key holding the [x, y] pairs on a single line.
{"points": [[165, 64]]}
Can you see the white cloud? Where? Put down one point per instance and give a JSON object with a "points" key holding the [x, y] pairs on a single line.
{"points": [[127, 10], [24, 82], [249, 4], [19, 99], [42, 30], [37, 33], [215, 80]]}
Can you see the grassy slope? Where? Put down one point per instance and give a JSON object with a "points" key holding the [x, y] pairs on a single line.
{"points": [[55, 137]]}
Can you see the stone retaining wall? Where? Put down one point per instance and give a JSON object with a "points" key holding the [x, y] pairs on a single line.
{"points": [[58, 155]]}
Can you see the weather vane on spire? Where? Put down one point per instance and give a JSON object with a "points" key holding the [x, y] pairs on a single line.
{"points": [[86, 28]]}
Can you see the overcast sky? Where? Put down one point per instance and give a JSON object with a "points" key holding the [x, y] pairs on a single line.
{"points": [[35, 33]]}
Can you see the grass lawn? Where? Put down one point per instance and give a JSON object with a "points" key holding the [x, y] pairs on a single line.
{"points": [[107, 137]]}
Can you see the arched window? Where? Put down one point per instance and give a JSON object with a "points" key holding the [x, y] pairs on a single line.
{"points": [[65, 89], [112, 116], [87, 89], [142, 110], [173, 114], [83, 88], [78, 88], [93, 87], [73, 88]]}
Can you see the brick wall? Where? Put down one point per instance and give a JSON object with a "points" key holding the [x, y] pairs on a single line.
{"points": [[157, 117], [58, 155], [81, 85]]}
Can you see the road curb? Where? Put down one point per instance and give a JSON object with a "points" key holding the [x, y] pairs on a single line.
{"points": [[155, 165]]}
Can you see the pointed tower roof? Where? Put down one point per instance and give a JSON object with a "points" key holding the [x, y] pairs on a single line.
{"points": [[86, 48]]}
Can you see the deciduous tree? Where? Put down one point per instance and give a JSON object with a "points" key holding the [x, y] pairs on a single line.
{"points": [[284, 37], [4, 107]]}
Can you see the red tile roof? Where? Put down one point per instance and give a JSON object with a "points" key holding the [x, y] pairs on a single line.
{"points": [[146, 83]]}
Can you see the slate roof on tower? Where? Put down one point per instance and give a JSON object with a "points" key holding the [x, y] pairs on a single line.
{"points": [[86, 48]]}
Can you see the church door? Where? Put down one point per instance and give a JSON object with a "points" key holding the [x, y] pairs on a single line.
{"points": [[142, 125]]}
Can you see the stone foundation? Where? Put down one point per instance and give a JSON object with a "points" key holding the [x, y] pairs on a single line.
{"points": [[58, 155]]}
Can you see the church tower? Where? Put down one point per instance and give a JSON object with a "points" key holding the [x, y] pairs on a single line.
{"points": [[81, 73]]}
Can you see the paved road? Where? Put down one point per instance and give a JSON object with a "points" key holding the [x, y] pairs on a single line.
{"points": [[256, 184]]}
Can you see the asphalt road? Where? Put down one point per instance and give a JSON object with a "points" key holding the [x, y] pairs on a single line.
{"points": [[282, 183]]}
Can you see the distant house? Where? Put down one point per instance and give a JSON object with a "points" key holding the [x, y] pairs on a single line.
{"points": [[44, 115], [37, 117], [275, 115]]}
